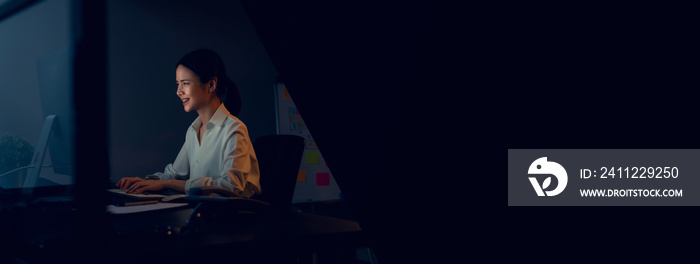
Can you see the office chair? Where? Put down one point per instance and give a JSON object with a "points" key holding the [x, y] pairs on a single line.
{"points": [[279, 157]]}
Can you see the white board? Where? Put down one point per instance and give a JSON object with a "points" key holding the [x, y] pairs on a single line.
{"points": [[315, 181]]}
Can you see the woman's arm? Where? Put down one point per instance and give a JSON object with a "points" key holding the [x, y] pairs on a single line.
{"points": [[178, 185]]}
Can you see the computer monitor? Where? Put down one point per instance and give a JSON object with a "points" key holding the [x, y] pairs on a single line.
{"points": [[55, 89], [37, 72], [43, 42]]}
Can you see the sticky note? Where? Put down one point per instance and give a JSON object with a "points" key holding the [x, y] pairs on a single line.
{"points": [[301, 177], [293, 111], [313, 157], [323, 179], [294, 115], [285, 93]]}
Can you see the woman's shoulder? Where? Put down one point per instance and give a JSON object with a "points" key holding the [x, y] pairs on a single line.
{"points": [[229, 119], [233, 124]]}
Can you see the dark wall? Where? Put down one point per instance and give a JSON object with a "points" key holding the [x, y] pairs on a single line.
{"points": [[145, 40]]}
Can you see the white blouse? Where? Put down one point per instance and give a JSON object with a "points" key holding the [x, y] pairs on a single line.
{"points": [[225, 158]]}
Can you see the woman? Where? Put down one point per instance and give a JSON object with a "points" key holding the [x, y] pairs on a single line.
{"points": [[217, 149]]}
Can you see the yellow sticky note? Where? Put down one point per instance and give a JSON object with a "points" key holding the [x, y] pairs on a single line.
{"points": [[285, 93], [313, 157], [301, 177]]}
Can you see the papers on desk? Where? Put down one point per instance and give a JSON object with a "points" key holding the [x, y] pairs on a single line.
{"points": [[142, 208]]}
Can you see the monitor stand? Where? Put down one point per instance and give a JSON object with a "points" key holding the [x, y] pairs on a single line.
{"points": [[38, 158]]}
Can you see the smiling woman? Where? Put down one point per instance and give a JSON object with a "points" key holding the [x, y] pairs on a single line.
{"points": [[217, 150], [192, 91], [205, 70]]}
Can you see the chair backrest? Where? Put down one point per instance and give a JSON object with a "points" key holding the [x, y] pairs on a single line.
{"points": [[279, 157]]}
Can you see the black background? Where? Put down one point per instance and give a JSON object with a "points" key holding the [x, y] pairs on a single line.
{"points": [[599, 76]]}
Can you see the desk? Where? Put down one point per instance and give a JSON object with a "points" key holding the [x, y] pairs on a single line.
{"points": [[279, 237]]}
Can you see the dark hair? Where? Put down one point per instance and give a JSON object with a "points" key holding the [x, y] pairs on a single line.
{"points": [[207, 64]]}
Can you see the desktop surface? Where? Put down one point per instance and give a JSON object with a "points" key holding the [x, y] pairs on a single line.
{"points": [[160, 235]]}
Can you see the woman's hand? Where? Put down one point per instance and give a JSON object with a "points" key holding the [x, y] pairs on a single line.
{"points": [[127, 182], [144, 186]]}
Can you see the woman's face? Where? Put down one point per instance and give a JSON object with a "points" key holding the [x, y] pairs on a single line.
{"points": [[191, 91]]}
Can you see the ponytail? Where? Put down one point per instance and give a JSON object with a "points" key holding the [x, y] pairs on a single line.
{"points": [[230, 96]]}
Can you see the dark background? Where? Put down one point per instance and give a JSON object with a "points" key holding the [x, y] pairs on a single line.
{"points": [[582, 75]]}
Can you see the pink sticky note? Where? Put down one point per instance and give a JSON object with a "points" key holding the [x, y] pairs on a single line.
{"points": [[323, 179]]}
